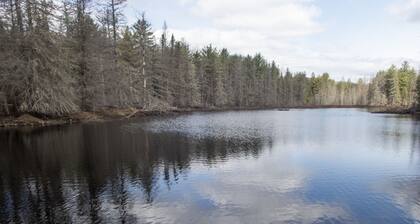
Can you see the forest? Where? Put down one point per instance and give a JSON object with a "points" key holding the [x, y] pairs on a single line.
{"points": [[395, 87], [63, 57]]}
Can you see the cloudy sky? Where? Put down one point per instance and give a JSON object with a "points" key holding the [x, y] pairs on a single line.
{"points": [[347, 38]]}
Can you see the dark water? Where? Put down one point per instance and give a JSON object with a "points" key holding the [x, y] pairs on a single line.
{"points": [[301, 166]]}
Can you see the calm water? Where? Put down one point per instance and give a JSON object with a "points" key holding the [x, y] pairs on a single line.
{"points": [[301, 166]]}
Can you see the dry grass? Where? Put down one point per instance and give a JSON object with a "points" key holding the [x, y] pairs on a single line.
{"points": [[118, 113], [85, 116], [27, 119]]}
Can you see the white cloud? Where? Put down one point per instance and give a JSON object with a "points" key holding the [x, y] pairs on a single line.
{"points": [[243, 196], [406, 9], [285, 31], [268, 17], [248, 26], [274, 28], [405, 193]]}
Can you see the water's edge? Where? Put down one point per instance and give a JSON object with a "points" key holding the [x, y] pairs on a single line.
{"points": [[105, 115]]}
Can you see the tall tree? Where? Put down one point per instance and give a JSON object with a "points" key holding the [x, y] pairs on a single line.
{"points": [[90, 58], [114, 11], [418, 91], [406, 81], [143, 37], [392, 86], [58, 62]]}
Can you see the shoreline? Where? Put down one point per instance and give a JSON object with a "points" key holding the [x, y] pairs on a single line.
{"points": [[394, 110], [111, 114]]}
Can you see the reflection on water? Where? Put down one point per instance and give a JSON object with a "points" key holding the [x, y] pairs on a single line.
{"points": [[301, 166]]}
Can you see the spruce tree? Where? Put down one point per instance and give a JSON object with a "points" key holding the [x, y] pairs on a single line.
{"points": [[143, 38], [418, 92], [392, 87]]}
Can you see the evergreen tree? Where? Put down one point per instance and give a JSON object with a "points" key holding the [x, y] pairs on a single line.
{"points": [[84, 42], [128, 61], [418, 91], [210, 77], [406, 80], [143, 37], [57, 63], [392, 89], [221, 75]]}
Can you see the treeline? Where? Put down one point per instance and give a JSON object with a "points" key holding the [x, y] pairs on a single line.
{"points": [[63, 57], [395, 87]]}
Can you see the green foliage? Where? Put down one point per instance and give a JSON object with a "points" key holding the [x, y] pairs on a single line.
{"points": [[393, 87], [418, 91]]}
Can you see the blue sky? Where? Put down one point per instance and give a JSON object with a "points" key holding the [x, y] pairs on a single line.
{"points": [[347, 38]]}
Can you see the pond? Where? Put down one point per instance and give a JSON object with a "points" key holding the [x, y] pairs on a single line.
{"points": [[297, 166]]}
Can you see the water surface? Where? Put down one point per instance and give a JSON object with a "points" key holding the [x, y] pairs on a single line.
{"points": [[300, 166]]}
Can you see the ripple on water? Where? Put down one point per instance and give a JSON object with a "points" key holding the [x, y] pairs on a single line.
{"points": [[301, 166]]}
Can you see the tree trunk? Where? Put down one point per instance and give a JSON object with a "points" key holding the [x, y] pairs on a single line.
{"points": [[114, 32], [12, 16], [29, 14], [5, 104], [144, 76], [19, 16]]}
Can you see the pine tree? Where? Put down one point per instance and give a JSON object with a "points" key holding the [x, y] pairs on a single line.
{"points": [[403, 81], [127, 59], [83, 45], [376, 92], [46, 84], [288, 88], [116, 18], [210, 77], [143, 37], [418, 91], [6, 56], [55, 67], [194, 99], [221, 75], [392, 87]]}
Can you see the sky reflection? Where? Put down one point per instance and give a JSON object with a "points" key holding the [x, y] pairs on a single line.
{"points": [[302, 166]]}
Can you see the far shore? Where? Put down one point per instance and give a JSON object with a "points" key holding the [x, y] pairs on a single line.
{"points": [[109, 114]]}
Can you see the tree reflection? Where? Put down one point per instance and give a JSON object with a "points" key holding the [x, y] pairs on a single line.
{"points": [[92, 173]]}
